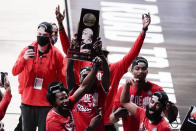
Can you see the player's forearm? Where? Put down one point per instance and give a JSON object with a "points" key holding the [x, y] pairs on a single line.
{"points": [[113, 118], [125, 95], [106, 75], [70, 78]]}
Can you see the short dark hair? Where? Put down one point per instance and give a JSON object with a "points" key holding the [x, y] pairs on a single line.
{"points": [[47, 26], [139, 59], [53, 88]]}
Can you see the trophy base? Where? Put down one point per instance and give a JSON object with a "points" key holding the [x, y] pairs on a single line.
{"points": [[79, 56]]}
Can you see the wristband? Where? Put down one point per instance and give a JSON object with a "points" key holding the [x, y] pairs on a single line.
{"points": [[145, 29]]}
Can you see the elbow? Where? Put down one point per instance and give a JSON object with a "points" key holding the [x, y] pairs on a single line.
{"points": [[14, 73], [123, 102]]}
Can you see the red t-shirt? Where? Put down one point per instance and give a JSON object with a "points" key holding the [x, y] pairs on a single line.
{"points": [[140, 98], [86, 108], [146, 125], [57, 122]]}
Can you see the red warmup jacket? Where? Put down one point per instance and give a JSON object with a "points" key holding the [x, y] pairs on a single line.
{"points": [[48, 67], [117, 70], [4, 103], [66, 44]]}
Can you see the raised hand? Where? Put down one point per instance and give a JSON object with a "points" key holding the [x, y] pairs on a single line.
{"points": [[59, 16], [97, 46], [171, 111], [121, 112], [129, 82], [146, 19], [97, 61]]}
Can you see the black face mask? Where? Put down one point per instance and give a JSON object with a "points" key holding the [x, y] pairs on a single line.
{"points": [[42, 41], [155, 117]]}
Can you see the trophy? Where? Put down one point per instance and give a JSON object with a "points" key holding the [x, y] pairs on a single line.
{"points": [[88, 31]]}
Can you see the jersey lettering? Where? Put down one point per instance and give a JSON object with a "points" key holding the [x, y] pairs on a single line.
{"points": [[87, 102]]}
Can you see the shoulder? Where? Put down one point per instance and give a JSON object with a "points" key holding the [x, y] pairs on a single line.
{"points": [[121, 88], [154, 87], [51, 115], [56, 50], [165, 125], [140, 112]]}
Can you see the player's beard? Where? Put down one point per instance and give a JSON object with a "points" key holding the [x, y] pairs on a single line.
{"points": [[155, 117]]}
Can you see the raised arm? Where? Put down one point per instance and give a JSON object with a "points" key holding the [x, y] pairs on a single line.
{"points": [[124, 63], [106, 74], [6, 99], [105, 81], [89, 80], [125, 98], [146, 19], [70, 75], [65, 42], [59, 68]]}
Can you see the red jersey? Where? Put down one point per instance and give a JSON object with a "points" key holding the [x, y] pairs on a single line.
{"points": [[4, 103], [86, 108], [57, 122], [141, 98], [117, 70], [146, 125]]}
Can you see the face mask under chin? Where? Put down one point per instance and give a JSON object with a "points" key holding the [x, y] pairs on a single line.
{"points": [[42, 41]]}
